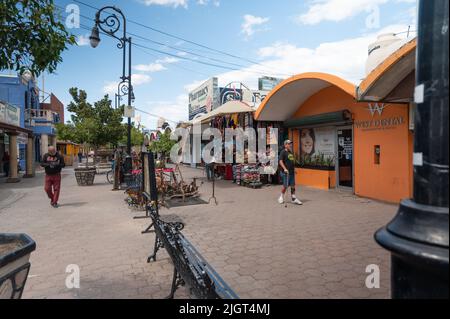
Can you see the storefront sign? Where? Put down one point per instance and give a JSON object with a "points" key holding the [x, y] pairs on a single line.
{"points": [[204, 98], [378, 122], [9, 114]]}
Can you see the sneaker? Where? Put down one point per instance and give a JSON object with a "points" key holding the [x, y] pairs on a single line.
{"points": [[55, 205], [296, 201], [281, 199]]}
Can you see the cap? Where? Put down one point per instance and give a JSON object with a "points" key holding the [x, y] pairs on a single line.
{"points": [[287, 142]]}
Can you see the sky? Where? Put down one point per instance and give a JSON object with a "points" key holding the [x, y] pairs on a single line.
{"points": [[261, 37]]}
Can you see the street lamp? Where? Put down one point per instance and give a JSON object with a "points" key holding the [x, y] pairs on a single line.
{"points": [[418, 236], [110, 25]]}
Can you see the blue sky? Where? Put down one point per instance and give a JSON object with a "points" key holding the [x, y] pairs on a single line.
{"points": [[285, 36]]}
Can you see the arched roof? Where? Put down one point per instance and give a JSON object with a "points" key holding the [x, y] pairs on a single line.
{"points": [[392, 80], [285, 99]]}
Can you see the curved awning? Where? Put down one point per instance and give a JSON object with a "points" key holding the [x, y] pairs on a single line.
{"points": [[231, 107], [393, 80], [285, 99]]}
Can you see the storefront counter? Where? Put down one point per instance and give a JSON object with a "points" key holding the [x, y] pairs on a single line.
{"points": [[316, 178]]}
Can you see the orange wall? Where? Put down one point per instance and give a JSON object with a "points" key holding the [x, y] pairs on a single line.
{"points": [[391, 180]]}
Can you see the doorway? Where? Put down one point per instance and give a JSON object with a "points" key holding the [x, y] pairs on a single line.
{"points": [[345, 157]]}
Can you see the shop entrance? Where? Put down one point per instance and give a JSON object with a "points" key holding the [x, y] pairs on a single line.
{"points": [[345, 157]]}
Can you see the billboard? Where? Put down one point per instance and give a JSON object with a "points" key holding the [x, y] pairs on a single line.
{"points": [[204, 98], [267, 83]]}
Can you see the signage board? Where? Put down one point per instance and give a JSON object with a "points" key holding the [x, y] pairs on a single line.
{"points": [[9, 114], [267, 83], [204, 98], [129, 111]]}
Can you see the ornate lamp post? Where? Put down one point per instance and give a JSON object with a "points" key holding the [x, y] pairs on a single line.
{"points": [[110, 25], [418, 235]]}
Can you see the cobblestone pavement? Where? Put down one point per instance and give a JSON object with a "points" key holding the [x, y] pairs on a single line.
{"points": [[261, 248]]}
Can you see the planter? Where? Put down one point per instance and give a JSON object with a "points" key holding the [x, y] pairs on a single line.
{"points": [[85, 176], [317, 178], [15, 251]]}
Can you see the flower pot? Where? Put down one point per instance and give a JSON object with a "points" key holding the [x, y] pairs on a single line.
{"points": [[15, 251], [85, 176]]}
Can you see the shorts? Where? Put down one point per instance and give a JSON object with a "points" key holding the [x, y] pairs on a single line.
{"points": [[286, 182]]}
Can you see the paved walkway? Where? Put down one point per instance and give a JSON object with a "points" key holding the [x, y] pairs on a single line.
{"points": [[263, 250]]}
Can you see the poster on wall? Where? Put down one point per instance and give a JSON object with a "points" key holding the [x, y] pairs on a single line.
{"points": [[318, 142]]}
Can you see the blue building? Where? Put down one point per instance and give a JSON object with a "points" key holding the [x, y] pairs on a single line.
{"points": [[23, 95]]}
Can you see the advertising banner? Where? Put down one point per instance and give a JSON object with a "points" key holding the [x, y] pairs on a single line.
{"points": [[318, 141], [204, 99], [9, 114]]}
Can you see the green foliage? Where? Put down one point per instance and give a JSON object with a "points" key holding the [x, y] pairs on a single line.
{"points": [[163, 145], [96, 125], [66, 132], [31, 36], [316, 160], [137, 137]]}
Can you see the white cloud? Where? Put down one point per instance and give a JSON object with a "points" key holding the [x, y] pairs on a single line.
{"points": [[336, 10], [136, 80], [156, 66], [173, 111], [345, 58], [205, 2], [250, 22], [152, 67], [179, 3], [167, 3], [83, 40]]}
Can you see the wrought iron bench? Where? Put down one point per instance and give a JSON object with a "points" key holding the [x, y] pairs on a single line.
{"points": [[190, 268]]}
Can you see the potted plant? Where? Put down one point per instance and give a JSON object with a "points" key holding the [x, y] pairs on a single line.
{"points": [[15, 251]]}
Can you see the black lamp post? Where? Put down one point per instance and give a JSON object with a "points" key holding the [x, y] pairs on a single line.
{"points": [[418, 235], [111, 25]]}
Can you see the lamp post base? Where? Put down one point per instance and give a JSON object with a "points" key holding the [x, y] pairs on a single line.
{"points": [[418, 241]]}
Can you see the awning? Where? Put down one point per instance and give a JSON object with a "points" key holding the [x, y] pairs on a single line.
{"points": [[285, 99], [228, 108], [340, 117], [393, 80]]}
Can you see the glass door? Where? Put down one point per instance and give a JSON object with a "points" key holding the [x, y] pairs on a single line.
{"points": [[345, 157]]}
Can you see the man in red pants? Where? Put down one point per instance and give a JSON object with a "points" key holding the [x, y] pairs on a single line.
{"points": [[53, 163]]}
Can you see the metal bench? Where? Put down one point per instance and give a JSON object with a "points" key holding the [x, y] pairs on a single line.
{"points": [[190, 268]]}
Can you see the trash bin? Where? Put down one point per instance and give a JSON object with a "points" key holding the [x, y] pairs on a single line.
{"points": [[15, 251]]}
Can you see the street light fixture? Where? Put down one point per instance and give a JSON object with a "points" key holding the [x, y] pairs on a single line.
{"points": [[111, 25], [95, 37]]}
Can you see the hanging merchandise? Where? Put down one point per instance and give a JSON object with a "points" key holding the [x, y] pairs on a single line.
{"points": [[250, 176]]}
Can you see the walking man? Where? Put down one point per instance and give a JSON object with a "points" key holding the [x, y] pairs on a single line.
{"points": [[287, 165], [53, 163]]}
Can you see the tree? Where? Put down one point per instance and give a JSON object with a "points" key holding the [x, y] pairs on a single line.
{"points": [[31, 36], [96, 125], [137, 137], [163, 145]]}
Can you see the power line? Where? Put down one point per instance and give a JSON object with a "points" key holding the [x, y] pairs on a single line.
{"points": [[259, 72], [178, 38], [186, 58]]}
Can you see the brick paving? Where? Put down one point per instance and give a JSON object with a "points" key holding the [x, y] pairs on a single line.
{"points": [[261, 248]]}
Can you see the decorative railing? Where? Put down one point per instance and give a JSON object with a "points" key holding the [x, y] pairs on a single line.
{"points": [[35, 117]]}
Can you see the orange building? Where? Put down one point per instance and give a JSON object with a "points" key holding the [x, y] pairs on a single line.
{"points": [[359, 139]]}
